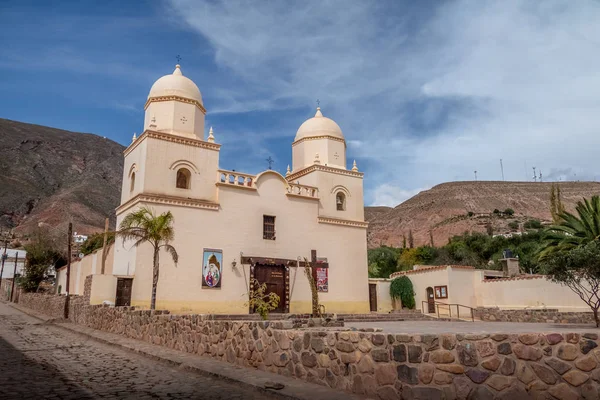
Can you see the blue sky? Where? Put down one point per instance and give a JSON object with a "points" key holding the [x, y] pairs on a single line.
{"points": [[425, 92]]}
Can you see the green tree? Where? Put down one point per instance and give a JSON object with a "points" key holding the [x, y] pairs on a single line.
{"points": [[514, 225], [411, 240], [143, 226], [382, 261], [574, 231], [431, 238], [403, 241], [43, 252], [533, 224], [578, 269], [95, 242], [259, 301], [402, 288], [559, 205], [553, 206], [509, 212]]}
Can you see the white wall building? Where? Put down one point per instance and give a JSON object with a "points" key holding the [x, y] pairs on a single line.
{"points": [[231, 227]]}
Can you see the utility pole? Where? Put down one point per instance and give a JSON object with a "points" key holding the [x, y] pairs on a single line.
{"points": [[12, 289], [534, 175], [3, 259], [66, 312], [69, 256], [502, 169], [475, 175], [104, 246]]}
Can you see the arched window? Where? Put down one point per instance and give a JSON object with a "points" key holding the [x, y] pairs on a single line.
{"points": [[132, 184], [183, 178], [340, 201]]}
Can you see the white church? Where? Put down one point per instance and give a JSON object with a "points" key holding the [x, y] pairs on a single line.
{"points": [[233, 227]]}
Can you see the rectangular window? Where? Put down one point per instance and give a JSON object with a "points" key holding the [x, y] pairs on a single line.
{"points": [[268, 227]]}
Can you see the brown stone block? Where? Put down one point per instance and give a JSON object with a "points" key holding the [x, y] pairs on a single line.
{"points": [[385, 374], [387, 393], [554, 338], [544, 373], [562, 391], [575, 377], [524, 372], [426, 372], [477, 375], [453, 368], [498, 337], [567, 352], [500, 382], [527, 352], [529, 338], [559, 366], [491, 364], [587, 363], [442, 378], [441, 357], [467, 354]]}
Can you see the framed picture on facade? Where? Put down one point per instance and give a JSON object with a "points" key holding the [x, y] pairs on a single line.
{"points": [[212, 268], [322, 279], [441, 292]]}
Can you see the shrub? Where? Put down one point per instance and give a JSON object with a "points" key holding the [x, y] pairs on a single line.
{"points": [[533, 224], [402, 288], [470, 214], [514, 225], [262, 303], [509, 211], [496, 211]]}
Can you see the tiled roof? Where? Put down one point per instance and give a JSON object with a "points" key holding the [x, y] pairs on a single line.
{"points": [[515, 278], [429, 269]]}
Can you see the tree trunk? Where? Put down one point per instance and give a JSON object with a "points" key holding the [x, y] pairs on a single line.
{"points": [[154, 278], [596, 318]]}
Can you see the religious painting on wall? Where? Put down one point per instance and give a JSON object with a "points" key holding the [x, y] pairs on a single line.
{"points": [[322, 279], [212, 268]]}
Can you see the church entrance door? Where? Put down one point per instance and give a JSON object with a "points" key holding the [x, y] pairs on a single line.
{"points": [[274, 277]]}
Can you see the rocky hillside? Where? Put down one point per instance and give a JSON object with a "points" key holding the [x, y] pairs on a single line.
{"points": [[53, 176], [444, 209]]}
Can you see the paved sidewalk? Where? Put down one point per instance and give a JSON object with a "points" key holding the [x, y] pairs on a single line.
{"points": [[251, 378]]}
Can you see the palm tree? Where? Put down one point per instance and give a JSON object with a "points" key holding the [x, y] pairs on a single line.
{"points": [[573, 231], [144, 226]]}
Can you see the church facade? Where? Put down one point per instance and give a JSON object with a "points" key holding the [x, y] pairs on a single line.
{"points": [[233, 228]]}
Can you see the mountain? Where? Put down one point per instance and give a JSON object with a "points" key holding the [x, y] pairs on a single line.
{"points": [[54, 176], [444, 209]]}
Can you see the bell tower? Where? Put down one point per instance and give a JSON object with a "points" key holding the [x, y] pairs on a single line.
{"points": [[175, 106]]}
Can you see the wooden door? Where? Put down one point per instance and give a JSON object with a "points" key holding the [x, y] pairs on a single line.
{"points": [[430, 301], [274, 277], [373, 297], [123, 292]]}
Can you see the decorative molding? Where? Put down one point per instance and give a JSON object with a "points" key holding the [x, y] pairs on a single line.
{"points": [[300, 196], [235, 186], [167, 200], [430, 269], [175, 98], [515, 278], [169, 137], [340, 188], [345, 222], [185, 163], [337, 139], [324, 168]]}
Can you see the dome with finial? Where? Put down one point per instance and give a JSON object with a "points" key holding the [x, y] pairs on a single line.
{"points": [[319, 126], [175, 84]]}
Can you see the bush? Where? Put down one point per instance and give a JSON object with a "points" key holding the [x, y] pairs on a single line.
{"points": [[95, 242], [402, 288], [470, 214], [514, 225], [533, 224], [509, 211], [496, 211]]}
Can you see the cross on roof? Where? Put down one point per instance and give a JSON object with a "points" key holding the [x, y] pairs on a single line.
{"points": [[270, 161], [178, 59]]}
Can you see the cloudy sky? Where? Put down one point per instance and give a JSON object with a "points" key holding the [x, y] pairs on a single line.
{"points": [[425, 92]]}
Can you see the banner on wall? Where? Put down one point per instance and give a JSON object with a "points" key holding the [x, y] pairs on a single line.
{"points": [[212, 268], [322, 279]]}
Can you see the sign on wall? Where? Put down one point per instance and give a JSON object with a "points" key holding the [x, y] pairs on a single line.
{"points": [[441, 292], [322, 279], [212, 268]]}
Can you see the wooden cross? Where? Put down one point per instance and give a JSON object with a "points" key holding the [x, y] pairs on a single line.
{"points": [[178, 59], [270, 161]]}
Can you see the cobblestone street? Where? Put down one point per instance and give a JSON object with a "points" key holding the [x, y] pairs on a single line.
{"points": [[42, 361]]}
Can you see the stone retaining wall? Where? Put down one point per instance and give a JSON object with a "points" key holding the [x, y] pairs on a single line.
{"points": [[533, 315], [384, 366], [50, 305]]}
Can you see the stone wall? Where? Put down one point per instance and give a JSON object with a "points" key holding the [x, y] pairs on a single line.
{"points": [[533, 315], [50, 305], [384, 366]]}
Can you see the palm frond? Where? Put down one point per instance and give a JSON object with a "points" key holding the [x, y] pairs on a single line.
{"points": [[171, 250]]}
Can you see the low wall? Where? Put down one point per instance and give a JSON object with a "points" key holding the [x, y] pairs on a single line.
{"points": [[533, 315], [384, 366], [50, 305]]}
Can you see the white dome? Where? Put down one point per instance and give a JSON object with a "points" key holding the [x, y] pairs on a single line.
{"points": [[176, 84], [319, 126]]}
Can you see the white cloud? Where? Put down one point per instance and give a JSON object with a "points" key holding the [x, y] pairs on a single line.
{"points": [[423, 96], [391, 196]]}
